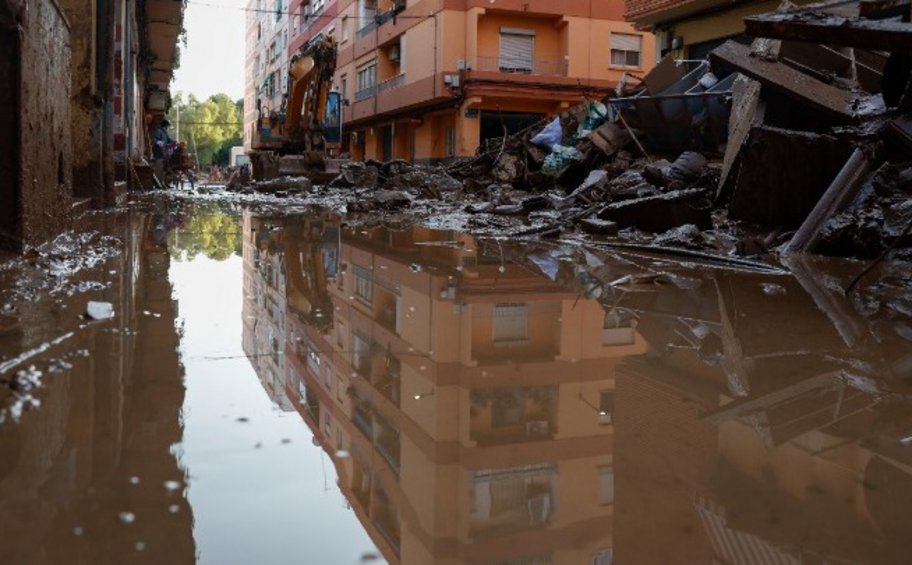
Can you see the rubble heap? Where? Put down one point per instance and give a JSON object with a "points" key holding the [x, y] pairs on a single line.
{"points": [[799, 142]]}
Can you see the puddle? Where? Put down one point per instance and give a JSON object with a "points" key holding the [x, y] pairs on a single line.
{"points": [[276, 389]]}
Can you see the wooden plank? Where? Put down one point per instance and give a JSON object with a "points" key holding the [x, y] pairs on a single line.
{"points": [[782, 78], [820, 27], [843, 188]]}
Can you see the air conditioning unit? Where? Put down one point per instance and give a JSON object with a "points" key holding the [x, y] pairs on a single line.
{"points": [[394, 53]]}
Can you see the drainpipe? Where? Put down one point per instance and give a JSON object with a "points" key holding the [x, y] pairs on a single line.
{"points": [[128, 89], [107, 73]]}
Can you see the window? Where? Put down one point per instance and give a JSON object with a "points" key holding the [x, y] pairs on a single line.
{"points": [[367, 9], [606, 485], [344, 91], [339, 440], [340, 389], [364, 284], [606, 406], [279, 10], [340, 335], [618, 327], [360, 353], [345, 31], [626, 49], [367, 81], [511, 323], [604, 557], [517, 50]]}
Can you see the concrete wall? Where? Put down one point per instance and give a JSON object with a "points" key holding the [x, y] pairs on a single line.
{"points": [[42, 184]]}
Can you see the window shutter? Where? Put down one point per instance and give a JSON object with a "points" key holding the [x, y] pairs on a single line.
{"points": [[626, 42], [511, 322], [516, 51]]}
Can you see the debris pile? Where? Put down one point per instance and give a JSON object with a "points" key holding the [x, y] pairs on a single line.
{"points": [[799, 142]]}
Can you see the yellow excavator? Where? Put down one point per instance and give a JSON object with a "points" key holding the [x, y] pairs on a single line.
{"points": [[304, 137]]}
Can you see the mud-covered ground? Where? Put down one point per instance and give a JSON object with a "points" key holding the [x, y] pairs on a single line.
{"points": [[286, 368]]}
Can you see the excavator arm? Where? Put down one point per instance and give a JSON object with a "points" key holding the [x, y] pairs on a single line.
{"points": [[311, 74]]}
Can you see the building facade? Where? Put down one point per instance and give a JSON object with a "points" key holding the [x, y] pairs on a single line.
{"points": [[76, 123], [459, 426], [426, 80], [690, 29], [266, 61]]}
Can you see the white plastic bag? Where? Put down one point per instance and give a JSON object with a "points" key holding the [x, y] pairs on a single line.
{"points": [[550, 136]]}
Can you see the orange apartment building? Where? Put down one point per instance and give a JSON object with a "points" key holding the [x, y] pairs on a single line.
{"points": [[465, 426], [478, 412], [426, 80]]}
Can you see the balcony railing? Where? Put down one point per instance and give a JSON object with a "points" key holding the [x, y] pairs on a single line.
{"points": [[391, 83], [365, 93], [370, 26], [523, 66]]}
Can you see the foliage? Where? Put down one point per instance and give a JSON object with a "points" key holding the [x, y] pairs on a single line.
{"points": [[209, 127], [213, 233]]}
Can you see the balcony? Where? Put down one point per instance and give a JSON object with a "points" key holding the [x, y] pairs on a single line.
{"points": [[367, 29], [365, 93], [391, 83], [532, 67]]}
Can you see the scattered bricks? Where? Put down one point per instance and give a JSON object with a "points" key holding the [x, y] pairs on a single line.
{"points": [[595, 226], [662, 212]]}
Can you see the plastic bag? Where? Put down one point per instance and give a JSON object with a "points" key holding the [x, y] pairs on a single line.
{"points": [[549, 136], [560, 158], [596, 116]]}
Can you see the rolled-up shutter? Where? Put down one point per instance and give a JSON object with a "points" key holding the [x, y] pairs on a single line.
{"points": [[517, 50], [626, 42]]}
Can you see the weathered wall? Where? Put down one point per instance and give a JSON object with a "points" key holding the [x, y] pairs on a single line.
{"points": [[45, 175], [85, 110], [9, 143]]}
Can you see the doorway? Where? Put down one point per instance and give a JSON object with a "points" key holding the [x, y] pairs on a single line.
{"points": [[9, 142]]}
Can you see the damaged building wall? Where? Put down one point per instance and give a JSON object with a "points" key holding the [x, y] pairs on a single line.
{"points": [[85, 110], [40, 149], [691, 31]]}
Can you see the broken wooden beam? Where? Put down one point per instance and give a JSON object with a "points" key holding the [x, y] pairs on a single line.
{"points": [[834, 101], [843, 188], [661, 212], [827, 29]]}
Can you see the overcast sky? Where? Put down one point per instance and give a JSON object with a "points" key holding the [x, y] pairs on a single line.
{"points": [[213, 60]]}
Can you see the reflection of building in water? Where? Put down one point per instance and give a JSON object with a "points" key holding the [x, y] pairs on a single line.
{"points": [[263, 311], [746, 437], [468, 406], [101, 443]]}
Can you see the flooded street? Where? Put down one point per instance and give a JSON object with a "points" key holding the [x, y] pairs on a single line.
{"points": [[306, 388]]}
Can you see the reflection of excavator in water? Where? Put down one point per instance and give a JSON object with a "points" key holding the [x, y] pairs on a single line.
{"points": [[311, 259], [301, 138]]}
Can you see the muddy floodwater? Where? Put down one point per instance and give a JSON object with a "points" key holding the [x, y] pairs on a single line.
{"points": [[308, 388]]}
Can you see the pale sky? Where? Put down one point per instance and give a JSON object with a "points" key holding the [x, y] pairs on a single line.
{"points": [[213, 60]]}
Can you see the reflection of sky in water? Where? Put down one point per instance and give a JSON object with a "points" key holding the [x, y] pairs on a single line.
{"points": [[275, 504]]}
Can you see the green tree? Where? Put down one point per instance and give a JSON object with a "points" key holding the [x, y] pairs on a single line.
{"points": [[209, 232], [209, 127]]}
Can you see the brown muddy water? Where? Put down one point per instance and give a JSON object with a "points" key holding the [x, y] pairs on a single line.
{"points": [[279, 388]]}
